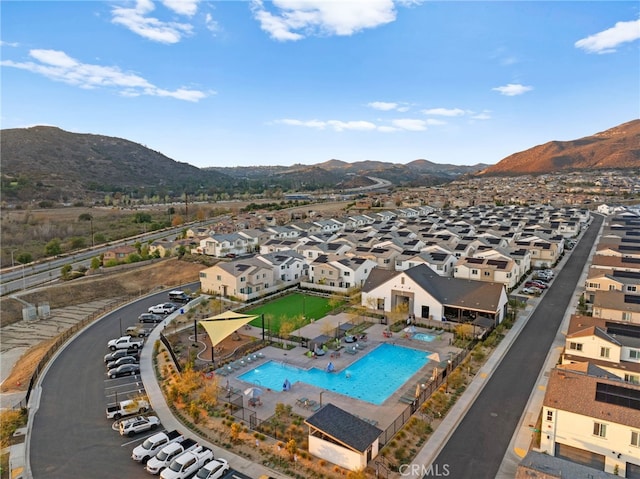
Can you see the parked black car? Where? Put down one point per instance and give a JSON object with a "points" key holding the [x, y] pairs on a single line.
{"points": [[121, 361], [120, 353], [150, 318], [124, 370]]}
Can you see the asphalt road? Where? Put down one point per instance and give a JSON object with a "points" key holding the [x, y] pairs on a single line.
{"points": [[479, 443], [71, 436]]}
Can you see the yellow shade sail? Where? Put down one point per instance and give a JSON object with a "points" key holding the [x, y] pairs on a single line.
{"points": [[223, 325]]}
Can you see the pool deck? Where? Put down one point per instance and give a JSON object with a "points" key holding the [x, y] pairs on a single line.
{"points": [[382, 414]]}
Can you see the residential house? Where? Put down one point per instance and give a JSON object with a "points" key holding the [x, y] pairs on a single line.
{"points": [[338, 274], [627, 282], [610, 345], [591, 417], [231, 244], [438, 259], [119, 254], [503, 271], [313, 249], [617, 306]]}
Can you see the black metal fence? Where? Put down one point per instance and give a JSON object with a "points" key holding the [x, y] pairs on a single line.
{"points": [[425, 393]]}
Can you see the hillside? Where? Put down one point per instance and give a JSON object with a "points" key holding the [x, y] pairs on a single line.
{"points": [[49, 163], [618, 147]]}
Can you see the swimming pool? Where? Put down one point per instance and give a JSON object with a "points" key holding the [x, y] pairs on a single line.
{"points": [[423, 337], [372, 378]]}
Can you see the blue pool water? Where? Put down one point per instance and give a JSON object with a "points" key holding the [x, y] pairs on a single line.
{"points": [[423, 337], [373, 378]]}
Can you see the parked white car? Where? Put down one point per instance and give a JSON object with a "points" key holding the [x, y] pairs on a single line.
{"points": [[213, 470], [163, 308], [138, 424]]}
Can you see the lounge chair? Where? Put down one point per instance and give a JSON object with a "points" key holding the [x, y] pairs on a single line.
{"points": [[361, 346], [314, 407], [260, 355], [407, 399], [222, 372], [350, 351]]}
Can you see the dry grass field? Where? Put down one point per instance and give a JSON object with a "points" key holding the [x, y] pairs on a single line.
{"points": [[118, 285]]}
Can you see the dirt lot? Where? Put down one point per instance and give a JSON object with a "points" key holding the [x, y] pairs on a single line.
{"points": [[116, 285]]}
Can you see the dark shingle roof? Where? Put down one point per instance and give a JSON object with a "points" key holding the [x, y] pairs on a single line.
{"points": [[344, 427]]}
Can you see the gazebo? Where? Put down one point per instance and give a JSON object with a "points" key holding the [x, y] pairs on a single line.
{"points": [[222, 325]]}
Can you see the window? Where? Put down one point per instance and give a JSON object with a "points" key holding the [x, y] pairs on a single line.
{"points": [[402, 280], [474, 271], [218, 278], [632, 378], [347, 273], [487, 273], [612, 287], [549, 415], [575, 346], [594, 285], [634, 354], [626, 316], [604, 352], [635, 438], [632, 289], [599, 429]]}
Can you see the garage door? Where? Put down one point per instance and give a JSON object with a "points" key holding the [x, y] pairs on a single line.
{"points": [[580, 456], [633, 471]]}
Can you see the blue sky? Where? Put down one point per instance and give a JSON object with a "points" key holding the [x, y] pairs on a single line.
{"points": [[239, 83]]}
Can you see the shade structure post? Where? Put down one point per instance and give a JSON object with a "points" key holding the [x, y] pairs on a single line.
{"points": [[262, 317]]}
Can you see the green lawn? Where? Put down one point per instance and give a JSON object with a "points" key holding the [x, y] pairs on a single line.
{"points": [[290, 308]]}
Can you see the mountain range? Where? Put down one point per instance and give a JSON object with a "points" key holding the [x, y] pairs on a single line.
{"points": [[48, 163]]}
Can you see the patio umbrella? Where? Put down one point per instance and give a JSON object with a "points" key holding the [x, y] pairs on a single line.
{"points": [[253, 392], [286, 385], [418, 390]]}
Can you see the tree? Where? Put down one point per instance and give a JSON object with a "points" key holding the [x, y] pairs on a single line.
{"points": [[286, 328], [53, 247], [24, 258], [65, 271], [95, 262], [236, 429], [292, 447], [177, 220], [141, 217]]}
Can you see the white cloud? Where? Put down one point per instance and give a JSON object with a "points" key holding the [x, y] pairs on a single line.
{"points": [[410, 124], [382, 105], [59, 66], [402, 124], [607, 40], [182, 7], [444, 111], [8, 44], [135, 19], [512, 89], [481, 116], [296, 19], [211, 24], [434, 122], [310, 123], [360, 125]]}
